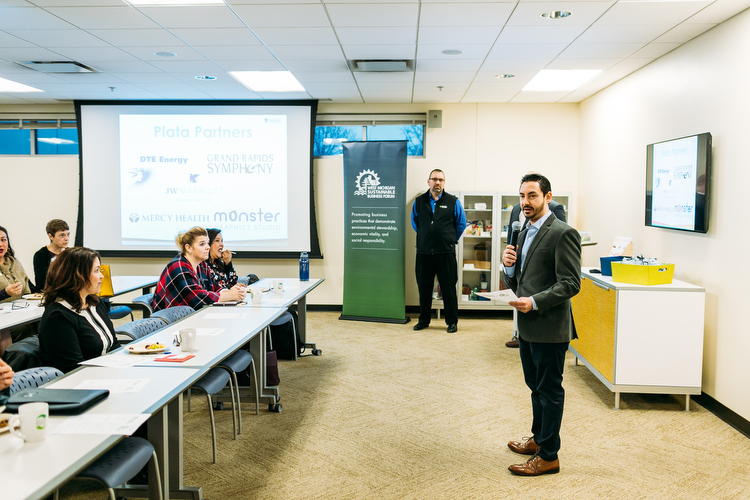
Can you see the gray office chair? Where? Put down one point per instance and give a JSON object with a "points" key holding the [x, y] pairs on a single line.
{"points": [[139, 328], [33, 377], [144, 303], [173, 314], [23, 354], [235, 363], [121, 463], [211, 383]]}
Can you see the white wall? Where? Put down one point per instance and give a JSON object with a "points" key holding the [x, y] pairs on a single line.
{"points": [[486, 147], [700, 87]]}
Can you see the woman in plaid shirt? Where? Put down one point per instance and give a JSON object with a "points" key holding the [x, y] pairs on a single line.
{"points": [[186, 281]]}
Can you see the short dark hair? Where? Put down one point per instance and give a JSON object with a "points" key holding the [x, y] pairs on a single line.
{"points": [[544, 183], [436, 170], [10, 248], [68, 274], [56, 225]]}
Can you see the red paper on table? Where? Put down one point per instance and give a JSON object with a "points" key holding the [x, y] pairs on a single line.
{"points": [[172, 358]]}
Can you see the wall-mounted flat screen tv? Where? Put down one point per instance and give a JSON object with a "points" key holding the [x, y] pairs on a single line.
{"points": [[678, 174]]}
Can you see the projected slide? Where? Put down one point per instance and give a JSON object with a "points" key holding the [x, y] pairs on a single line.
{"points": [[223, 171], [674, 183]]}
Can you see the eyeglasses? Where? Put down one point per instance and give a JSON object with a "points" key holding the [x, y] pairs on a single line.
{"points": [[19, 305], [435, 179]]}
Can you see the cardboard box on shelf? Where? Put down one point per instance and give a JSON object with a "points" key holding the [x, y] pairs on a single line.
{"points": [[659, 274], [478, 264]]}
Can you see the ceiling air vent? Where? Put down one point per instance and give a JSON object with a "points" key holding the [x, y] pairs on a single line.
{"points": [[58, 66], [381, 65]]}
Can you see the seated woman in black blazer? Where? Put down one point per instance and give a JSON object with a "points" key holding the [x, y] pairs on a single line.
{"points": [[75, 325]]}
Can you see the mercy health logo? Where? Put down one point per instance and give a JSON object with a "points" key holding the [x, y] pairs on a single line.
{"points": [[368, 184]]}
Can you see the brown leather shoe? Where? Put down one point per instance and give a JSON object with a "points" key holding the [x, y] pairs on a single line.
{"points": [[536, 466], [512, 343], [526, 447]]}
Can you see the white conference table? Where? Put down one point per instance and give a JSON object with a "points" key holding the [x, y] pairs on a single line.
{"points": [[30, 310], [294, 291], [35, 470], [38, 469]]}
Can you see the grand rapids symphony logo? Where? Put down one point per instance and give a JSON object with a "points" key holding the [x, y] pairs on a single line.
{"points": [[368, 184]]}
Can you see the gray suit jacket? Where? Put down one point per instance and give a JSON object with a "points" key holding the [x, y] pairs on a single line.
{"points": [[551, 275]]}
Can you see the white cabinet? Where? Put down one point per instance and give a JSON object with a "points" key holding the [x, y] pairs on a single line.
{"points": [[640, 339]]}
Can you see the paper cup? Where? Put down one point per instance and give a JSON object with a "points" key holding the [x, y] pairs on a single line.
{"points": [[31, 422], [256, 294]]}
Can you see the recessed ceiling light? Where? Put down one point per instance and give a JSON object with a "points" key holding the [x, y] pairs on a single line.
{"points": [[9, 86], [165, 54], [556, 14], [205, 77], [550, 80], [451, 52], [268, 81], [504, 76]]}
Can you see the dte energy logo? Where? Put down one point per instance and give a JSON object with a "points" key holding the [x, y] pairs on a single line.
{"points": [[368, 184]]}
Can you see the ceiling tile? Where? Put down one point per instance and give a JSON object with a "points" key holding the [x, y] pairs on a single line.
{"points": [[539, 96], [600, 50], [515, 65], [453, 65], [234, 52], [59, 38], [600, 33], [684, 32], [305, 77], [467, 14], [373, 14], [377, 36], [379, 51], [123, 17], [444, 76], [8, 40], [296, 36], [283, 16], [405, 77], [719, 12], [588, 63], [524, 51], [664, 12], [458, 35], [216, 36], [540, 34], [468, 52], [583, 13], [136, 37], [186, 16], [30, 17], [655, 50], [184, 53], [310, 52]]}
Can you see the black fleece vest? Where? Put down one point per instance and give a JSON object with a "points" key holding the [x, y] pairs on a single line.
{"points": [[436, 233]]}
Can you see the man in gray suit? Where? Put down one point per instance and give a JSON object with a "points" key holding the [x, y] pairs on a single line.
{"points": [[544, 273], [515, 215]]}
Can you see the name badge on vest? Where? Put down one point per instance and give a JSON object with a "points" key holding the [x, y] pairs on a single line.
{"points": [[442, 206]]}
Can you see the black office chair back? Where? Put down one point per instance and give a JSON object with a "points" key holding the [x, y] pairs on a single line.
{"points": [[23, 354]]}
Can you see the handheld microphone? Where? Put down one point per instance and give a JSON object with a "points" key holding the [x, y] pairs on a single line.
{"points": [[515, 230]]}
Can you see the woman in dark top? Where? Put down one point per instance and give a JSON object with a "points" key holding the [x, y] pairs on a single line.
{"points": [[75, 325], [220, 260], [58, 233]]}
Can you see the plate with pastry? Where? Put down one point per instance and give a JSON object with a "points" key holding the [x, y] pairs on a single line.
{"points": [[151, 348], [32, 296]]}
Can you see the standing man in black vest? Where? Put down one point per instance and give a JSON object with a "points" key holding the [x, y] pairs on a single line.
{"points": [[439, 220]]}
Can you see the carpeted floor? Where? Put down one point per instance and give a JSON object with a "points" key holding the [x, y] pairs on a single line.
{"points": [[390, 413]]}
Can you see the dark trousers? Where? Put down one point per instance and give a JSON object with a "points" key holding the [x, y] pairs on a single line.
{"points": [[543, 372], [444, 266]]}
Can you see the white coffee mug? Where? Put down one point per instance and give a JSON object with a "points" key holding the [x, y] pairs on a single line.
{"points": [[31, 422], [256, 294], [278, 286], [189, 339]]}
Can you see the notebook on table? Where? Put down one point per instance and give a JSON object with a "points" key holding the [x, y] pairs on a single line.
{"points": [[61, 401]]}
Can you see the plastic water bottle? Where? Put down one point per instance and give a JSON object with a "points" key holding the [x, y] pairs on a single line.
{"points": [[304, 267]]}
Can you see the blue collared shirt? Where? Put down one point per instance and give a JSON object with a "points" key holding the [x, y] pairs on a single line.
{"points": [[531, 232], [458, 214]]}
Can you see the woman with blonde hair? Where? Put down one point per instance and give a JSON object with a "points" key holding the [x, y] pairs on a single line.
{"points": [[186, 281]]}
